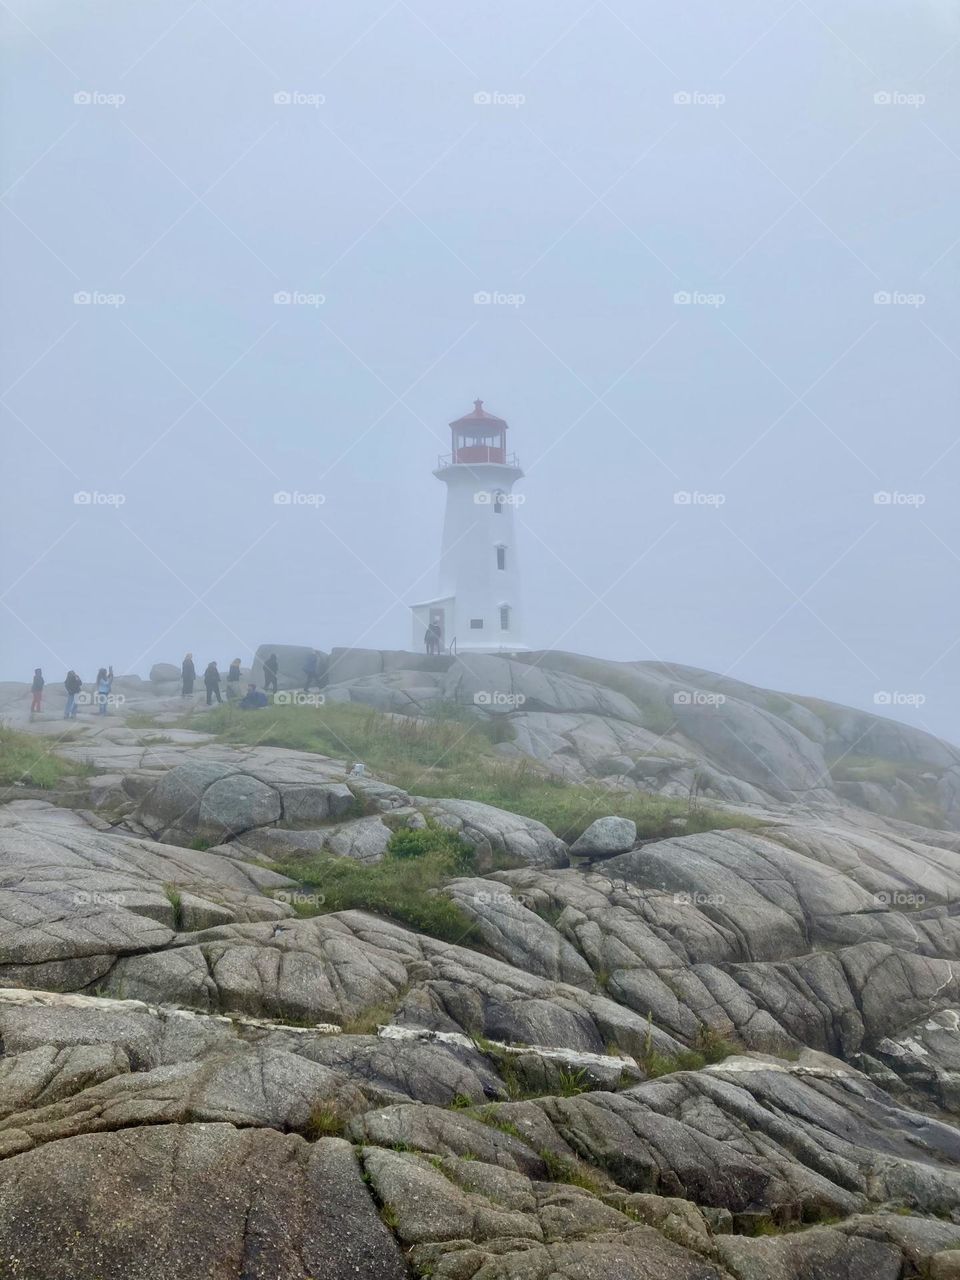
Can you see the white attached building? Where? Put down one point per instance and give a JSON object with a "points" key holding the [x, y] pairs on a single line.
{"points": [[478, 609]]}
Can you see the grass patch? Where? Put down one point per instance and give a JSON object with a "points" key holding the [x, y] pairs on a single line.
{"points": [[401, 887], [445, 755], [559, 1169], [709, 1047], [32, 760], [490, 1118], [324, 1122], [175, 898], [142, 720]]}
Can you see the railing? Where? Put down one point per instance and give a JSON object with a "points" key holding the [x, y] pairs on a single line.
{"points": [[492, 455], [453, 647]]}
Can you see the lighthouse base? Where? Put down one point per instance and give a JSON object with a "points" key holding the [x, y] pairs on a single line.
{"points": [[453, 632]]}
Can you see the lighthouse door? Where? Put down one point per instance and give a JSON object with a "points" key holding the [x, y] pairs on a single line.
{"points": [[438, 619]]}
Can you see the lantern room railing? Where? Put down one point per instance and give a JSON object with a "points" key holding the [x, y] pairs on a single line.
{"points": [[478, 454]]}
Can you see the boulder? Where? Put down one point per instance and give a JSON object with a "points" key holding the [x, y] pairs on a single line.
{"points": [[164, 673], [609, 835]]}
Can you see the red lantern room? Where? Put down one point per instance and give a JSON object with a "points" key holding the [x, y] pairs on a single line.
{"points": [[479, 437]]}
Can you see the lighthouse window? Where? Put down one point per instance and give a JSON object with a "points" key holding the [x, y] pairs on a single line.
{"points": [[501, 557], [498, 503], [476, 624], [504, 617]]}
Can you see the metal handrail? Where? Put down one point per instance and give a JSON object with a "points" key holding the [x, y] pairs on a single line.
{"points": [[453, 647]]}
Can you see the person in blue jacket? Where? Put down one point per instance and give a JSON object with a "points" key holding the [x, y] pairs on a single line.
{"points": [[253, 699]]}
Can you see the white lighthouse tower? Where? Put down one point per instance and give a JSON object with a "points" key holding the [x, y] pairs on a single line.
{"points": [[479, 609]]}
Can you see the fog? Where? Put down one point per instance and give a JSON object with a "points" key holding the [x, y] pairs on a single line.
{"points": [[702, 475]]}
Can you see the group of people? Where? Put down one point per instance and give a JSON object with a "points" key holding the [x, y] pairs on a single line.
{"points": [[433, 638], [102, 689], [252, 699]]}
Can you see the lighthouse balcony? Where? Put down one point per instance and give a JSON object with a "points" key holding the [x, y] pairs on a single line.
{"points": [[471, 455]]}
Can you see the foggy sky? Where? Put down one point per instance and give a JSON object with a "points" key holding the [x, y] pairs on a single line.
{"points": [[784, 185]]}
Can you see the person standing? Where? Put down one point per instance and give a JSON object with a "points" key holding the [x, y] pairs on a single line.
{"points": [[233, 681], [73, 684], [188, 673], [211, 679], [36, 689], [270, 670], [103, 687]]}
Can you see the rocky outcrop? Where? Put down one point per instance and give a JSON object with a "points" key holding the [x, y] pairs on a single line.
{"points": [[727, 1055]]}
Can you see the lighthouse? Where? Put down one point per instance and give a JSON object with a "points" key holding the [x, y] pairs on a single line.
{"points": [[478, 609]]}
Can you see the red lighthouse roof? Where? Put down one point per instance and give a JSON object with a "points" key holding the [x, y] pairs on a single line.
{"points": [[479, 415]]}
